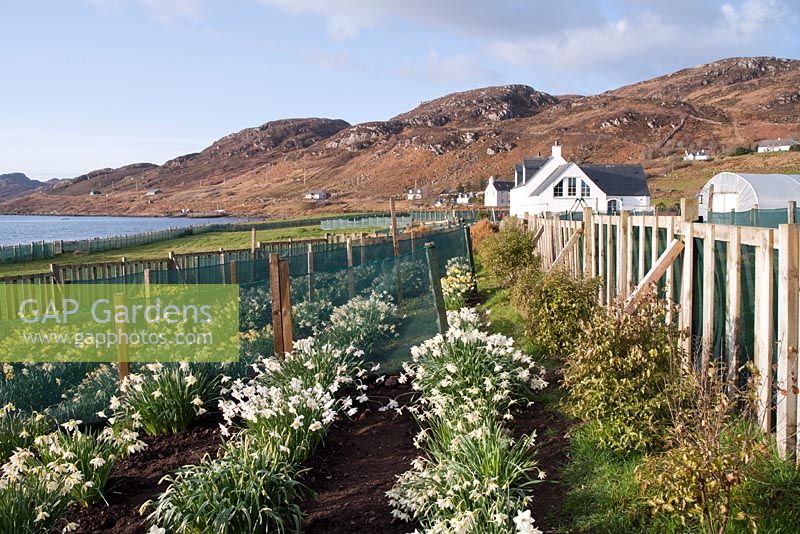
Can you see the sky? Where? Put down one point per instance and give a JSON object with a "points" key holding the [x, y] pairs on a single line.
{"points": [[88, 84]]}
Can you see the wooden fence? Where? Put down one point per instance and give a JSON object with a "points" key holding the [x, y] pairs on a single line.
{"points": [[632, 252]]}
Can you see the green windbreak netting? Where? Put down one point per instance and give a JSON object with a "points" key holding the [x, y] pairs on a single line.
{"points": [[80, 390], [754, 217]]}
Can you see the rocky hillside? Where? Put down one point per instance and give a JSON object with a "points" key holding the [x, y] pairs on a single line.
{"points": [[458, 138], [16, 184]]}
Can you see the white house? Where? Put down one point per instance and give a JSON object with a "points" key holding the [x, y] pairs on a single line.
{"points": [[464, 198], [776, 145], [497, 194], [315, 194], [153, 192], [415, 193], [701, 155], [556, 185]]}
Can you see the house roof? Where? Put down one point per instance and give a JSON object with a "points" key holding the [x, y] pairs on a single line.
{"points": [[534, 163], [618, 180], [503, 186], [771, 143], [316, 192]]}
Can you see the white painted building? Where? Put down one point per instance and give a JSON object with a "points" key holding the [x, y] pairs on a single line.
{"points": [[701, 155], [556, 185], [497, 194], [464, 198], [415, 193], [776, 145], [315, 194]]}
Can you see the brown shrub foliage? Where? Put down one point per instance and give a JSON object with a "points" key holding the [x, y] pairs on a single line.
{"points": [[480, 231]]}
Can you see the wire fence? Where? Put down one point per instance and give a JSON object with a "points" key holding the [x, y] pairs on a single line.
{"points": [[319, 282]]}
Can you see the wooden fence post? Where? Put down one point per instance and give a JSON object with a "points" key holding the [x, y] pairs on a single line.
{"points": [[709, 267], [396, 247], [350, 284], [589, 268], [733, 303], [468, 244], [790, 211], [788, 301], [281, 304], [234, 274], [124, 366], [310, 269], [436, 286], [622, 254], [763, 324], [656, 272], [687, 287]]}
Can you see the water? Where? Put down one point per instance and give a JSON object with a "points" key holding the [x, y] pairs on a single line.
{"points": [[20, 229]]}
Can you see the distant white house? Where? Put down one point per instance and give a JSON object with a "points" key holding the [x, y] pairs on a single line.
{"points": [[701, 155], [415, 193], [464, 198], [556, 185], [316, 194], [776, 145], [153, 192], [497, 194], [94, 193]]}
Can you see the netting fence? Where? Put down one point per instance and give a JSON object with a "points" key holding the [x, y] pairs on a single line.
{"points": [[318, 284]]}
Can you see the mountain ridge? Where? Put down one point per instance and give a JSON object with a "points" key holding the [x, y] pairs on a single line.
{"points": [[457, 138]]}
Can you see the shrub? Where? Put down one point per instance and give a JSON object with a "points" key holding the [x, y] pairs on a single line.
{"points": [[480, 231], [554, 306], [458, 283], [622, 373], [742, 151], [507, 252], [714, 441]]}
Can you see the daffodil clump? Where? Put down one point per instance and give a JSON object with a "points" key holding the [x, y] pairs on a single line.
{"points": [[165, 398], [458, 283], [473, 476], [18, 429], [275, 421], [362, 322], [39, 483]]}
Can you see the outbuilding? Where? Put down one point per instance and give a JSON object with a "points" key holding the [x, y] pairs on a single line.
{"points": [[730, 191]]}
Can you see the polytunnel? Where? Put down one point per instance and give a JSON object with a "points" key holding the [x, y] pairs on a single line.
{"points": [[743, 192]]}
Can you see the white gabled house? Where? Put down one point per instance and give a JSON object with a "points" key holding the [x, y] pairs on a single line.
{"points": [[556, 185], [701, 155], [497, 194], [776, 145]]}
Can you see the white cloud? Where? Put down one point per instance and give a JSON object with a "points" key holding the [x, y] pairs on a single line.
{"points": [[458, 68], [326, 59], [647, 42], [164, 11], [754, 15]]}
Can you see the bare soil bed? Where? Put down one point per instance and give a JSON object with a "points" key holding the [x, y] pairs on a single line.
{"points": [[135, 479], [363, 457], [359, 463]]}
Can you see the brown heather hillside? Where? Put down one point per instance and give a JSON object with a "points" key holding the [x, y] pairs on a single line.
{"points": [[459, 138]]}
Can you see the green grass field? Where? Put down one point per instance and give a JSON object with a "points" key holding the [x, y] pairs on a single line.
{"points": [[196, 243]]}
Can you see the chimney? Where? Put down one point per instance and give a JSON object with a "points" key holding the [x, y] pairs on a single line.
{"points": [[491, 180], [556, 149]]}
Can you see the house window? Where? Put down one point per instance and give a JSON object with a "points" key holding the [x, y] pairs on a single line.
{"points": [[571, 186], [613, 206], [584, 189], [558, 190]]}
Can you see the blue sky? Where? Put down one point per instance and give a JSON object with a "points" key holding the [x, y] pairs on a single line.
{"points": [[88, 84]]}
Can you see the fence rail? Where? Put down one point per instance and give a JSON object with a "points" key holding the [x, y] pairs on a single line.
{"points": [[737, 289]]}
